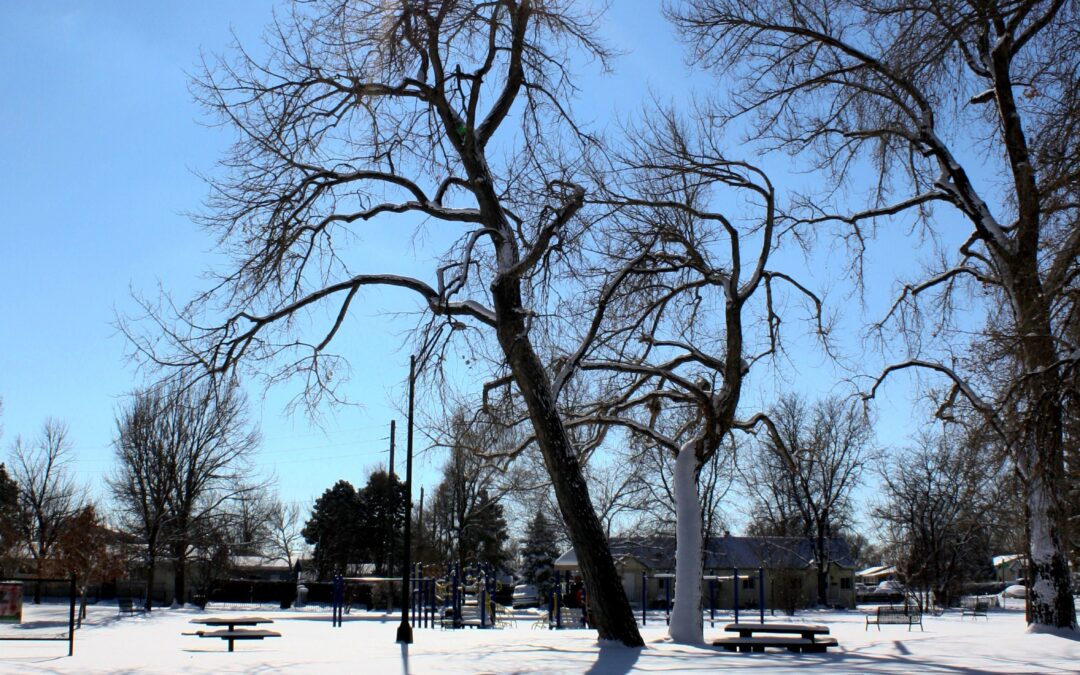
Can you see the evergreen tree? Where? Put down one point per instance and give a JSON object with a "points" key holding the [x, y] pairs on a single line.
{"points": [[9, 514], [539, 551], [335, 529], [383, 503]]}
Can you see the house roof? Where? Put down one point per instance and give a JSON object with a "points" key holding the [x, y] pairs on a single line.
{"points": [[1000, 560], [658, 553], [877, 571]]}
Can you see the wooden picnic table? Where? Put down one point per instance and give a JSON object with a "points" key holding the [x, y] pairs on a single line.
{"points": [[779, 635], [234, 628]]}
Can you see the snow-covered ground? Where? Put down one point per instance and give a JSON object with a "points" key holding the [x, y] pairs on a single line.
{"points": [[365, 644]]}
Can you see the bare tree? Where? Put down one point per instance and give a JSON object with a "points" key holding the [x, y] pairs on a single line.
{"points": [[48, 495], [909, 89], [693, 306], [142, 476], [286, 542], [803, 478], [387, 112], [937, 505], [179, 468]]}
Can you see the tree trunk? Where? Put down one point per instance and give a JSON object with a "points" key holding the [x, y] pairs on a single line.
{"points": [[686, 619], [179, 576], [151, 573], [610, 608]]}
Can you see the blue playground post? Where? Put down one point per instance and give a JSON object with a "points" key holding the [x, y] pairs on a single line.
{"points": [[558, 599], [761, 591], [667, 600], [644, 596], [712, 603], [735, 590]]}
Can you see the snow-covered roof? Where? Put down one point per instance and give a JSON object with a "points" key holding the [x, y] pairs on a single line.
{"points": [[1000, 560], [877, 571], [658, 553]]}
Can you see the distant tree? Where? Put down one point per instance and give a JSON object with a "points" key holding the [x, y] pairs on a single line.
{"points": [[286, 540], [142, 477], [936, 512], [48, 496], [539, 550], [183, 455], [382, 502], [803, 478], [9, 519], [466, 517], [335, 529], [90, 550]]}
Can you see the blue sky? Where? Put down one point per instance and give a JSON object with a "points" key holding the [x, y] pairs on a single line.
{"points": [[101, 143]]}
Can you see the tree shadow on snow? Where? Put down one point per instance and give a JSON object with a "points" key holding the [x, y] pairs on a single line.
{"points": [[615, 660]]}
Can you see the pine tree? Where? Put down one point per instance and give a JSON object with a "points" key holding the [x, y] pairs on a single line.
{"points": [[539, 551], [9, 513], [334, 529]]}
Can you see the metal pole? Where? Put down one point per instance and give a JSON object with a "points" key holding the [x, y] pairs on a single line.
{"points": [[735, 590], [712, 603], [404, 631], [71, 619], [644, 596], [761, 592]]}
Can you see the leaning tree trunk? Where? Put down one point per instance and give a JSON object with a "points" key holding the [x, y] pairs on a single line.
{"points": [[610, 609], [686, 619]]}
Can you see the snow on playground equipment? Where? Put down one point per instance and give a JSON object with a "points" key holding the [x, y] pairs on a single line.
{"points": [[557, 605], [735, 578]]}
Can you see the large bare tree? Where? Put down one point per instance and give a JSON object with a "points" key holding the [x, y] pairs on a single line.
{"points": [[390, 113], [910, 90], [697, 305]]}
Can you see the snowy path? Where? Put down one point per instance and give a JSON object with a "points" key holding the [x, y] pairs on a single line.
{"points": [[365, 644]]}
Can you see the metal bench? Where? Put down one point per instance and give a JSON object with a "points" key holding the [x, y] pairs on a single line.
{"points": [[975, 607], [908, 616]]}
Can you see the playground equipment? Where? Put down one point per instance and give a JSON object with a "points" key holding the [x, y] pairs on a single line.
{"points": [[713, 581], [557, 605]]}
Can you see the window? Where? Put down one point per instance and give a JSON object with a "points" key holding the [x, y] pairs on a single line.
{"points": [[748, 583], [845, 583]]}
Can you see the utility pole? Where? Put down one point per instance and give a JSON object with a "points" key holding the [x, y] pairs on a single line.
{"points": [[393, 425], [404, 631]]}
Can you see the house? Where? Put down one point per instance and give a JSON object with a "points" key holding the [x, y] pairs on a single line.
{"points": [[1010, 568], [647, 564]]}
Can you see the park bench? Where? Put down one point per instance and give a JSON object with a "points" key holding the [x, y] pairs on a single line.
{"points": [[794, 637], [975, 607], [126, 605], [908, 616]]}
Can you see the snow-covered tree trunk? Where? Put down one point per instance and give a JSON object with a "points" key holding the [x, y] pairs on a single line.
{"points": [[686, 623]]}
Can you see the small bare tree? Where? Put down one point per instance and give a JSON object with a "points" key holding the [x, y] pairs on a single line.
{"points": [[909, 89], [183, 454], [936, 508], [286, 542], [803, 478], [48, 495]]}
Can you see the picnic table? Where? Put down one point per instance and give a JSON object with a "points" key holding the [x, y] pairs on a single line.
{"points": [[779, 635], [231, 628]]}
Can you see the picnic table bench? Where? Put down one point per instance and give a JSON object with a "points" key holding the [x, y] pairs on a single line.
{"points": [[889, 614], [233, 628], [780, 635]]}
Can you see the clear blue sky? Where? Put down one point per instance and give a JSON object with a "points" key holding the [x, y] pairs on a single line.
{"points": [[101, 140]]}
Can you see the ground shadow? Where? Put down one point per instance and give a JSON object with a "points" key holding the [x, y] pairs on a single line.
{"points": [[615, 660]]}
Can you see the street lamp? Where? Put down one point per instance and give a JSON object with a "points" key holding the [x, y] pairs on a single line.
{"points": [[404, 631]]}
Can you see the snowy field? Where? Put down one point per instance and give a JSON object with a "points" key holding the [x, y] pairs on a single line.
{"points": [[365, 644]]}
